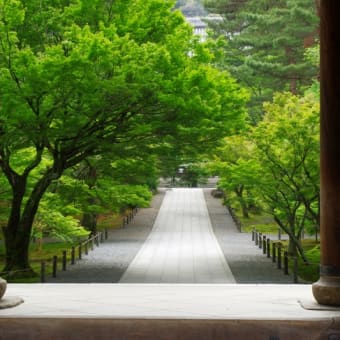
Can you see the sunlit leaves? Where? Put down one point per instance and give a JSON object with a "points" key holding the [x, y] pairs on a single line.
{"points": [[276, 164], [87, 80], [11, 14], [287, 141], [53, 219]]}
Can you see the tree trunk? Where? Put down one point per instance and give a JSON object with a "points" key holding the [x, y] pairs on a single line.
{"points": [[245, 210], [17, 252], [18, 231], [295, 248], [239, 193], [294, 244], [89, 221]]}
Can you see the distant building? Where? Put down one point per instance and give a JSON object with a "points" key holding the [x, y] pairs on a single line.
{"points": [[200, 24], [200, 27]]}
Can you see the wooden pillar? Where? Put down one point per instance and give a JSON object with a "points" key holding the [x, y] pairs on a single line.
{"points": [[327, 289]]}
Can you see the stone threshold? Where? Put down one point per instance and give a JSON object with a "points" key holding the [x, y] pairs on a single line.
{"points": [[166, 311]]}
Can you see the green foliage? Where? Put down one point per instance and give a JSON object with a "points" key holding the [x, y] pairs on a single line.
{"points": [[55, 224], [309, 272], [276, 166], [289, 160], [237, 169], [96, 187], [193, 174], [84, 79], [54, 219], [266, 45], [265, 49], [136, 171], [312, 55]]}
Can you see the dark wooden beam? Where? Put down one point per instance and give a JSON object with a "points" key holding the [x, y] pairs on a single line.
{"points": [[327, 289]]}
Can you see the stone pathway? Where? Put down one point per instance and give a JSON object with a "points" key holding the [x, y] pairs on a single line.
{"points": [[245, 262], [182, 247]]}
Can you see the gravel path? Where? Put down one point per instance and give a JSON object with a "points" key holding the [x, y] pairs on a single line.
{"points": [[108, 262], [246, 261]]}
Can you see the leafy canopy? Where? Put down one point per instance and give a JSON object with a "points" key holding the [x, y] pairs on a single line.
{"points": [[81, 78]]}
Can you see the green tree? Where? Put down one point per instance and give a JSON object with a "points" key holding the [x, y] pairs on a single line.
{"points": [[236, 167], [84, 78], [56, 219], [265, 45], [287, 142], [192, 174], [102, 181], [276, 166]]}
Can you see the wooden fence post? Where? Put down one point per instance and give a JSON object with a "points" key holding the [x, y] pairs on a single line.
{"points": [[264, 244], [285, 262], [54, 266], [279, 256], [260, 240], [42, 272], [73, 255], [268, 247], [295, 270], [64, 260]]}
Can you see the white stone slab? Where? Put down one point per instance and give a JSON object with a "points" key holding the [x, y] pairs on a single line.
{"points": [[182, 247], [196, 301]]}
